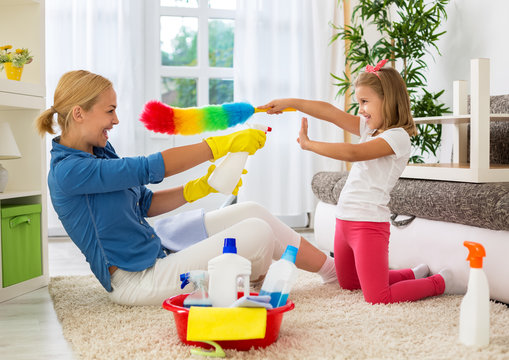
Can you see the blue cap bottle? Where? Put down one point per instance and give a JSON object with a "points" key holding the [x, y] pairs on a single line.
{"points": [[230, 246], [280, 278]]}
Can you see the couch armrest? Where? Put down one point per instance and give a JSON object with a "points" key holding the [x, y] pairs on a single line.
{"points": [[327, 185]]}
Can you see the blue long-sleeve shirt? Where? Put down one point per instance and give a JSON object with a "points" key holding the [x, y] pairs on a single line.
{"points": [[102, 203]]}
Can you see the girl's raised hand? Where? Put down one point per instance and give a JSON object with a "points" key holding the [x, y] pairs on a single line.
{"points": [[303, 139]]}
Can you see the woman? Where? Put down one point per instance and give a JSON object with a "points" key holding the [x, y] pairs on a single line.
{"points": [[102, 201]]}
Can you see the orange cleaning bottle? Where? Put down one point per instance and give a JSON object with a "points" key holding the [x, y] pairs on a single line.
{"points": [[475, 306]]}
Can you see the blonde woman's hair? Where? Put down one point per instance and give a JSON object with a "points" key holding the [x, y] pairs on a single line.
{"points": [[391, 88], [75, 88]]}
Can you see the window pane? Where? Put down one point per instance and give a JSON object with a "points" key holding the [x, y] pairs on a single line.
{"points": [[220, 91], [223, 4], [178, 40], [180, 3], [221, 42], [178, 92]]}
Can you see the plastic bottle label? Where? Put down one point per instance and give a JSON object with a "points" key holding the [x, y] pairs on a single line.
{"points": [[276, 298]]}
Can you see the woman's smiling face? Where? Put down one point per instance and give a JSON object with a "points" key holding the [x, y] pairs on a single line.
{"points": [[101, 118], [370, 106]]}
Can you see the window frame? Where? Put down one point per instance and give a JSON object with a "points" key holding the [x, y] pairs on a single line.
{"points": [[202, 72]]}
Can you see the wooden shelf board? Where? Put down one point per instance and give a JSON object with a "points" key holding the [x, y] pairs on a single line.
{"points": [[12, 291], [14, 194], [458, 166], [457, 172], [21, 87], [456, 119]]}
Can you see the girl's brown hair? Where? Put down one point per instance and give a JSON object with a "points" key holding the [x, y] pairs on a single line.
{"points": [[391, 88], [75, 88]]}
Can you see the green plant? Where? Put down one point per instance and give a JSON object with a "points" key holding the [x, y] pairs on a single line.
{"points": [[18, 58], [407, 30]]}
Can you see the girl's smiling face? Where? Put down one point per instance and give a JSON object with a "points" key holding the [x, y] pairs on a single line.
{"points": [[370, 106]]}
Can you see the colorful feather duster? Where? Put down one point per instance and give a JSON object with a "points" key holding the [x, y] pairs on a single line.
{"points": [[162, 118]]}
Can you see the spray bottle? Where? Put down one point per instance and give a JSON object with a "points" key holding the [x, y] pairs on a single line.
{"points": [[224, 272], [227, 174], [280, 278], [199, 296], [475, 306]]}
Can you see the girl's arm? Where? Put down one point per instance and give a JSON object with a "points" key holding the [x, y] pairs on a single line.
{"points": [[318, 109], [368, 150]]}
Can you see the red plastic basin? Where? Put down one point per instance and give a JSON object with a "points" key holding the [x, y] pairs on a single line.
{"points": [[274, 319]]}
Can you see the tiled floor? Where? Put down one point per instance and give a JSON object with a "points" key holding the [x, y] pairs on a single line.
{"points": [[29, 328]]}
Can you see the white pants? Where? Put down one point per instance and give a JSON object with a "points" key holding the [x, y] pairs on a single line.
{"points": [[260, 236]]}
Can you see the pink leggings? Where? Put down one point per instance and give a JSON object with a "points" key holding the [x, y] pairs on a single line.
{"points": [[361, 255]]}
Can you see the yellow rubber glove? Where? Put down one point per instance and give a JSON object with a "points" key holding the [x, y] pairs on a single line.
{"points": [[249, 140], [198, 188]]}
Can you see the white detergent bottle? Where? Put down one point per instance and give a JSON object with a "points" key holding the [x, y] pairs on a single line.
{"points": [[224, 271], [280, 278], [475, 306], [227, 174]]}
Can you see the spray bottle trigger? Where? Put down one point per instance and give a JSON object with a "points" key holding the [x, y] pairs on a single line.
{"points": [[185, 279], [475, 254]]}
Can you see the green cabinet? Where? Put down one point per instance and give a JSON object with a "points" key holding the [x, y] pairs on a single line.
{"points": [[21, 243]]}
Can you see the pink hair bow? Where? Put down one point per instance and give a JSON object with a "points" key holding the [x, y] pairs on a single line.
{"points": [[375, 69]]}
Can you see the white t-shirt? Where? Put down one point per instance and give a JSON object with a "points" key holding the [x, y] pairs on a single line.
{"points": [[367, 190]]}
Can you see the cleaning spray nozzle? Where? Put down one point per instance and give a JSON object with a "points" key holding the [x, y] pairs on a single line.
{"points": [[475, 254], [185, 279], [261, 127]]}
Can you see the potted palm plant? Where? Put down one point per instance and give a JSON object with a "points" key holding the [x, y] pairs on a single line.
{"points": [[407, 30]]}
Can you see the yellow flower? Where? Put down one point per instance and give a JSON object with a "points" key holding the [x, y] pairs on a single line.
{"points": [[18, 58]]}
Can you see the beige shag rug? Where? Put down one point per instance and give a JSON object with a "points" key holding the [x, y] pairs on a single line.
{"points": [[327, 323]]}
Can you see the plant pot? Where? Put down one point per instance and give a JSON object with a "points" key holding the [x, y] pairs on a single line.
{"points": [[13, 73]]}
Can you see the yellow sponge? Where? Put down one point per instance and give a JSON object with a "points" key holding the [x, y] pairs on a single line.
{"points": [[216, 323]]}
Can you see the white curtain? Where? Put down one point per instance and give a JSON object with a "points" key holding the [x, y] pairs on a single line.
{"points": [[282, 50], [105, 37]]}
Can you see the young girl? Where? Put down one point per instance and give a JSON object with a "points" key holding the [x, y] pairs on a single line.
{"points": [[361, 242], [102, 202]]}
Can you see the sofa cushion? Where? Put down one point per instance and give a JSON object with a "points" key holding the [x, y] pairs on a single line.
{"points": [[481, 205], [499, 130]]}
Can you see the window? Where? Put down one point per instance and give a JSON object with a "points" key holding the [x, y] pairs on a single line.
{"points": [[196, 51]]}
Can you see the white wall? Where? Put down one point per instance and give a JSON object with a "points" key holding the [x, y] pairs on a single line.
{"points": [[475, 29]]}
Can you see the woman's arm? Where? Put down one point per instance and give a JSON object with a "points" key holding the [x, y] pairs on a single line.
{"points": [[318, 109], [368, 150], [179, 159], [167, 200], [182, 158]]}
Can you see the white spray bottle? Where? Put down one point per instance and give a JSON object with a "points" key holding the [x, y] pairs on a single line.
{"points": [[281, 277], [199, 297], [475, 306], [227, 174]]}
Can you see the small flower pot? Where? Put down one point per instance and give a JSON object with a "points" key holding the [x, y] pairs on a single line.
{"points": [[13, 73]]}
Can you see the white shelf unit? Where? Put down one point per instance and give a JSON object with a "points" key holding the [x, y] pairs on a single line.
{"points": [[21, 102], [479, 169]]}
